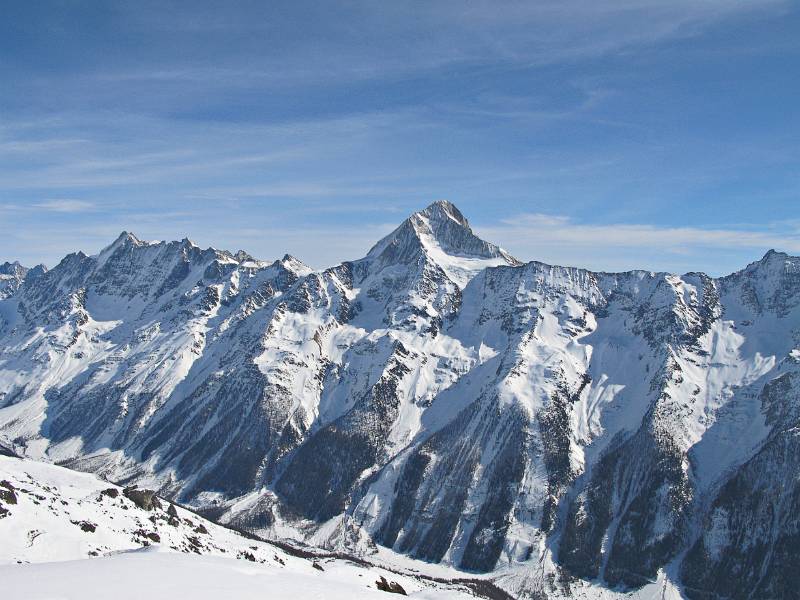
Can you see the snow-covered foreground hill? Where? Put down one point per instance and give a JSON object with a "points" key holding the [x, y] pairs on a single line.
{"points": [[555, 428], [70, 535], [167, 576]]}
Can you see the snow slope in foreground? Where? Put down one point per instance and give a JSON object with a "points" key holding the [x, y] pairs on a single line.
{"points": [[156, 575], [66, 534]]}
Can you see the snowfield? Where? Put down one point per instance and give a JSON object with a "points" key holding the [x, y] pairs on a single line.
{"points": [[68, 535], [167, 576]]}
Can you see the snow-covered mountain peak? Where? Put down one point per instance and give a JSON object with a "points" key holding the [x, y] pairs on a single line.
{"points": [[124, 240], [36, 271], [441, 234], [773, 260], [442, 211], [9, 268], [777, 268], [770, 258], [242, 256], [187, 243], [11, 277], [128, 241], [771, 284], [295, 264], [442, 225]]}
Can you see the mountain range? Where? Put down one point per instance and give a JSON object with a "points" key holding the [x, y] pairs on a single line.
{"points": [[551, 426]]}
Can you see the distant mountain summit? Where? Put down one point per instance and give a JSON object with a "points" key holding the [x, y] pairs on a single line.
{"points": [[12, 275], [442, 235], [440, 227], [570, 432]]}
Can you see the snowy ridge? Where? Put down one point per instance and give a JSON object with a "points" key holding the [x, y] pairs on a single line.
{"points": [[557, 428]]}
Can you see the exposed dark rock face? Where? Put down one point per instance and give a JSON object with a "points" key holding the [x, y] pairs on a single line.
{"points": [[8, 494], [6, 451], [322, 474], [486, 541], [450, 459], [144, 499], [636, 496], [437, 478], [390, 586], [750, 539], [86, 526], [110, 492], [749, 546], [555, 434]]}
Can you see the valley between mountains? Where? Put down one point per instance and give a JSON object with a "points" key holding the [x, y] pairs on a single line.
{"points": [[560, 432]]}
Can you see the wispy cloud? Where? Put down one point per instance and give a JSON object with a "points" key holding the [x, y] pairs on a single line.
{"points": [[395, 39], [622, 246], [558, 229], [65, 205]]}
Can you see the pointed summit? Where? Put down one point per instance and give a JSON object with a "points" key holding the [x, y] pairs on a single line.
{"points": [[12, 269], [441, 234], [772, 255], [773, 261], [36, 272], [123, 240], [442, 211], [450, 230], [11, 277], [295, 264], [440, 226]]}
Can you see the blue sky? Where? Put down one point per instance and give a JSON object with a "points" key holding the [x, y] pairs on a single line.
{"points": [[611, 135]]}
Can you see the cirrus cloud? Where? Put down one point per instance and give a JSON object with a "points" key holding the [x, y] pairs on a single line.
{"points": [[65, 205], [622, 246]]}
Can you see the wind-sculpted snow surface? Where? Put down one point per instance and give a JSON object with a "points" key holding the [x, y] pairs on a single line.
{"points": [[550, 425]]}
